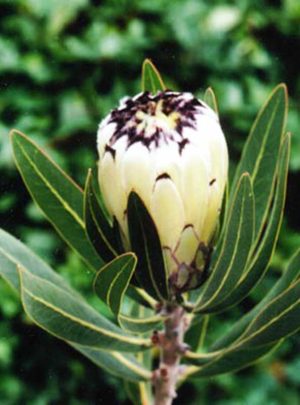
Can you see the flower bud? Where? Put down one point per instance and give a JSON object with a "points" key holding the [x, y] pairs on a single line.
{"points": [[170, 149]]}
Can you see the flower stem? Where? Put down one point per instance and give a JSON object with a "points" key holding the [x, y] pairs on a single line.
{"points": [[172, 347]]}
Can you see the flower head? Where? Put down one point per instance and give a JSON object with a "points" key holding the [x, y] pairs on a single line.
{"points": [[170, 149]]}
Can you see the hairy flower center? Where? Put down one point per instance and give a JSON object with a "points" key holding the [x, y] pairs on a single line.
{"points": [[153, 119]]}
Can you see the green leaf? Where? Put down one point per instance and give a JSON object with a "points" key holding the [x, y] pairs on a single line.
{"points": [[101, 234], [65, 316], [278, 319], [137, 318], [287, 278], [266, 325], [223, 215], [151, 79], [141, 323], [269, 324], [151, 272], [95, 186], [112, 280], [137, 393], [211, 100], [228, 266], [121, 365], [140, 296], [56, 194], [263, 254], [227, 361], [111, 284], [196, 333], [14, 254], [261, 152], [141, 393]]}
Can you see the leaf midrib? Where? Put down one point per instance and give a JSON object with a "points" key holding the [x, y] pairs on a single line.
{"points": [[62, 201]]}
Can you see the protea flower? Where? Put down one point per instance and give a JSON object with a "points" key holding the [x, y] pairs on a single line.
{"points": [[170, 149]]}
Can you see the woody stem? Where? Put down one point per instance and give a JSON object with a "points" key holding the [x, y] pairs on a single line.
{"points": [[172, 348]]}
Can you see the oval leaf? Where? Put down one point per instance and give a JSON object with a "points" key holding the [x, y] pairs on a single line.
{"points": [[121, 365], [140, 325], [261, 152], [229, 361], [101, 234], [291, 274], [137, 318], [278, 319], [14, 254], [67, 317], [60, 199], [112, 280], [264, 252], [227, 268]]}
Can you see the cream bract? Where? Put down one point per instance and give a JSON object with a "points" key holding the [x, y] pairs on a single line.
{"points": [[170, 149]]}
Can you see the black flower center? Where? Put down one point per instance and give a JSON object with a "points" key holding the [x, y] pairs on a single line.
{"points": [[152, 119]]}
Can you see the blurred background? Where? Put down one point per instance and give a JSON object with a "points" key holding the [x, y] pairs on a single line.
{"points": [[63, 66]]}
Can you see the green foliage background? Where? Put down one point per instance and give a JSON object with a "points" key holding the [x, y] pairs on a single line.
{"points": [[63, 66]]}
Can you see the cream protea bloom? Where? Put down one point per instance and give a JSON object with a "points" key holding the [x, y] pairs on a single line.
{"points": [[170, 149]]}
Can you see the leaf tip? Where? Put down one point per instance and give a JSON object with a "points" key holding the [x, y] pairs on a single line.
{"points": [[88, 178], [13, 133], [246, 175], [147, 67], [282, 88], [147, 61]]}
